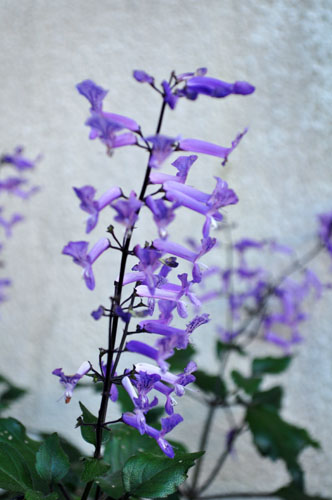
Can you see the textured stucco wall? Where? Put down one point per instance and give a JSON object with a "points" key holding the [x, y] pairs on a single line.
{"points": [[281, 173]]}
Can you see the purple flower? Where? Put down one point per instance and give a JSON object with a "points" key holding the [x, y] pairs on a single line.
{"points": [[162, 148], [214, 87], [93, 93], [208, 148], [12, 185], [203, 203], [178, 381], [149, 261], [70, 381], [7, 224], [128, 210], [144, 383], [86, 195], [174, 337], [162, 214], [18, 160], [167, 424], [182, 164], [104, 126], [98, 313], [79, 251], [142, 77]]}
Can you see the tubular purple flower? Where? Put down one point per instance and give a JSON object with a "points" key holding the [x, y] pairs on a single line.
{"points": [[162, 148], [124, 121], [182, 164], [126, 139], [18, 160], [178, 381], [142, 348], [167, 425], [144, 383], [149, 262], [162, 214], [127, 210], [86, 194], [70, 381], [155, 326], [214, 87], [208, 148], [142, 77], [93, 93], [167, 246], [78, 250], [106, 129]]}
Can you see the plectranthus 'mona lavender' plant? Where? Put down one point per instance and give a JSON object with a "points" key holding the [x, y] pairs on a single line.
{"points": [[13, 185], [159, 288]]}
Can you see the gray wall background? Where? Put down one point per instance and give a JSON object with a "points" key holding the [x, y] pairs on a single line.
{"points": [[281, 173]]}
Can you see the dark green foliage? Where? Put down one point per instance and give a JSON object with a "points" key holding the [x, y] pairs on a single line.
{"points": [[249, 385], [93, 468], [211, 384], [52, 463], [277, 439], [88, 431], [270, 365], [152, 476], [181, 358]]}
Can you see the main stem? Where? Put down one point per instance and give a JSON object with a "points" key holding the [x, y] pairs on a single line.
{"points": [[114, 320]]}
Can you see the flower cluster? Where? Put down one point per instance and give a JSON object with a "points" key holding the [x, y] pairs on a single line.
{"points": [[162, 293], [260, 304], [16, 185]]}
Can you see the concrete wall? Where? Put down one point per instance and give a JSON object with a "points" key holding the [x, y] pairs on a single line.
{"points": [[281, 173]]}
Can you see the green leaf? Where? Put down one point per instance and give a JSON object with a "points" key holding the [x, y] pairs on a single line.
{"points": [[210, 384], [72, 479], [88, 432], [38, 495], [93, 468], [248, 384], [153, 476], [15, 440], [14, 474], [124, 443], [275, 438], [291, 492], [271, 398], [181, 358], [112, 484], [52, 463], [223, 347], [270, 365]]}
